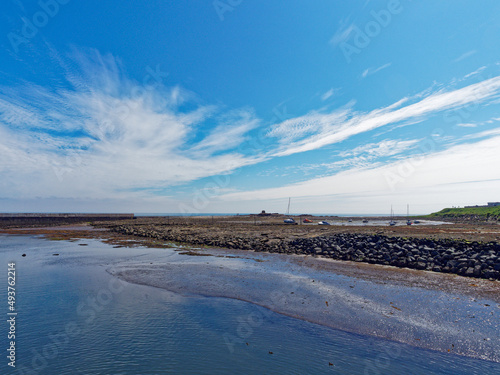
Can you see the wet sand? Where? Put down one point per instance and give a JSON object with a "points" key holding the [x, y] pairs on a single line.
{"points": [[429, 310]]}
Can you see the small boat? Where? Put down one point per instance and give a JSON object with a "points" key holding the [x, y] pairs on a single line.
{"points": [[350, 220], [416, 222], [392, 222], [408, 221], [307, 221], [289, 220], [323, 223], [365, 221]]}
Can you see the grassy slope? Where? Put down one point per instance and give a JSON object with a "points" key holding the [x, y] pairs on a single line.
{"points": [[478, 211]]}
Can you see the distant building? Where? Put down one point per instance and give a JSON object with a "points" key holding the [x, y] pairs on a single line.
{"points": [[490, 204]]}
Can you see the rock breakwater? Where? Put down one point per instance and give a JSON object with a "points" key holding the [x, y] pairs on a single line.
{"points": [[465, 258]]}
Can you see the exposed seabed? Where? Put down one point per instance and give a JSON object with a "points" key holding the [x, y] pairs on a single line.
{"points": [[441, 312]]}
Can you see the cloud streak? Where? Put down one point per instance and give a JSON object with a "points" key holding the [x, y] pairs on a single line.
{"points": [[316, 130], [371, 71], [105, 136], [328, 94], [465, 55], [342, 34], [462, 168]]}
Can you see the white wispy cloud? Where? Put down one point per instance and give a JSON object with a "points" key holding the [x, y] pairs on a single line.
{"points": [[483, 134], [312, 123], [371, 71], [371, 155], [387, 147], [105, 135], [231, 132], [465, 168], [478, 123], [315, 130], [343, 33], [465, 55], [475, 72], [328, 94]]}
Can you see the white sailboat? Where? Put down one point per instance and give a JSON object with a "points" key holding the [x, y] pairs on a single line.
{"points": [[392, 222], [289, 220]]}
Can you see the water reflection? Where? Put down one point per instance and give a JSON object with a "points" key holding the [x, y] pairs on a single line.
{"points": [[75, 318]]}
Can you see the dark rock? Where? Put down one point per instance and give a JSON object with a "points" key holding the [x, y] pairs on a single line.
{"points": [[469, 272], [468, 259], [421, 265], [491, 274], [477, 271]]}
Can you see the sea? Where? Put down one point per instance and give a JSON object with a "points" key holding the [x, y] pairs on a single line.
{"points": [[73, 317]]}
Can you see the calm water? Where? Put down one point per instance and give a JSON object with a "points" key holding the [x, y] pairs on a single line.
{"points": [[74, 318]]}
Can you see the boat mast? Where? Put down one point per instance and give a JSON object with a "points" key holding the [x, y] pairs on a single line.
{"points": [[288, 209]]}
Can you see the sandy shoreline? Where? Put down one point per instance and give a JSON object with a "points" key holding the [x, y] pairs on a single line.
{"points": [[406, 306], [466, 250]]}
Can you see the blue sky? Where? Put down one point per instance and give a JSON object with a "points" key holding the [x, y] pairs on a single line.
{"points": [[235, 106]]}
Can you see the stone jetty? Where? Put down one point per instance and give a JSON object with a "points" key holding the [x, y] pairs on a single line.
{"points": [[49, 219], [456, 256]]}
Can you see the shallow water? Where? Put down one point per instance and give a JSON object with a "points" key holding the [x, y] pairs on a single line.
{"points": [[433, 311], [74, 317]]}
